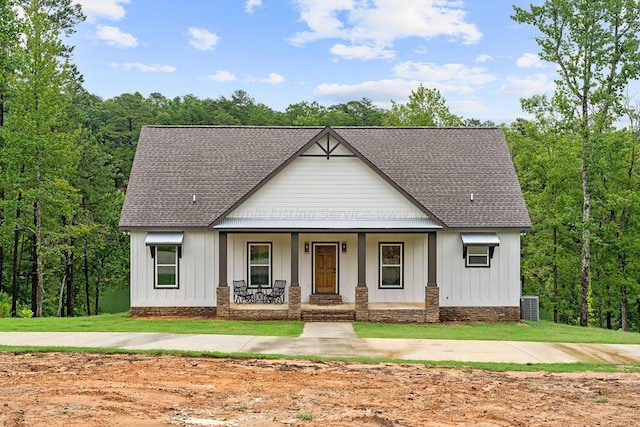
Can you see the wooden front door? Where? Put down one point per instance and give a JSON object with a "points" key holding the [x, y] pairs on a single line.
{"points": [[325, 269]]}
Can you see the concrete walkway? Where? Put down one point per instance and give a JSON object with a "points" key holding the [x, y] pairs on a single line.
{"points": [[337, 339]]}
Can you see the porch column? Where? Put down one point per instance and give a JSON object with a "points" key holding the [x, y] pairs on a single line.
{"points": [[362, 259], [432, 266], [362, 292], [223, 294], [431, 291], [295, 310], [295, 253]]}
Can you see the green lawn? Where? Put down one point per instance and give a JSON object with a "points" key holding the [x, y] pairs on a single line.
{"points": [[507, 331], [125, 323], [542, 331]]}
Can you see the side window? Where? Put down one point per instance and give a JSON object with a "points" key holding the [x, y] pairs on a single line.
{"points": [[166, 266], [477, 256], [259, 264], [391, 266]]}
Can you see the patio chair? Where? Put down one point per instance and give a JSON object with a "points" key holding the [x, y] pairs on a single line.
{"points": [[241, 292], [277, 293]]}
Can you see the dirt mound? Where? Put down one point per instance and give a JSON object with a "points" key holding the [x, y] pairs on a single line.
{"points": [[83, 389]]}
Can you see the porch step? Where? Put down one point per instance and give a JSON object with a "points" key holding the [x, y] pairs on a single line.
{"points": [[324, 299], [328, 315]]}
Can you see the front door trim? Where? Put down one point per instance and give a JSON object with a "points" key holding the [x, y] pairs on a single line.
{"points": [[313, 266]]}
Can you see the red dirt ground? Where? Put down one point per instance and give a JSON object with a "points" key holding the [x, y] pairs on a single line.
{"points": [[84, 389]]}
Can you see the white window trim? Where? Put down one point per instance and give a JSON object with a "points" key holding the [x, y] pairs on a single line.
{"points": [[249, 265], [381, 265], [474, 251], [156, 266]]}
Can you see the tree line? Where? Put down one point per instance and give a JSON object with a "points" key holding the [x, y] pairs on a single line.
{"points": [[67, 155]]}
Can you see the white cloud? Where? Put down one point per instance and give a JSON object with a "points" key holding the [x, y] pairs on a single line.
{"points": [[251, 5], [453, 77], [114, 37], [145, 68], [362, 52], [222, 76], [107, 9], [377, 90], [529, 60], [381, 22], [272, 78], [468, 107], [202, 39], [527, 85], [483, 58]]}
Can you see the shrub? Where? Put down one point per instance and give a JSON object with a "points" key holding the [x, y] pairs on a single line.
{"points": [[5, 304]]}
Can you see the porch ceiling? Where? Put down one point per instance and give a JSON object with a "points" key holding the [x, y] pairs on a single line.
{"points": [[324, 225]]}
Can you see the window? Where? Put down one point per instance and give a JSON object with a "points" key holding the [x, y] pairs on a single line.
{"points": [[259, 264], [166, 250], [391, 268], [478, 248], [477, 256], [166, 266]]}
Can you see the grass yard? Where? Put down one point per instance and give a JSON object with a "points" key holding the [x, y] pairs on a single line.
{"points": [[123, 322], [542, 331]]}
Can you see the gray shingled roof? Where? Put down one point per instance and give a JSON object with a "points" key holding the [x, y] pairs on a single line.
{"points": [[438, 167]]}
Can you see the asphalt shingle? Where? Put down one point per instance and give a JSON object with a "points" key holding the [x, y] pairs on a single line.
{"points": [[438, 167]]}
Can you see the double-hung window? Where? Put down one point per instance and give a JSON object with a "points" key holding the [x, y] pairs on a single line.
{"points": [[166, 274], [166, 251], [259, 264], [391, 265]]}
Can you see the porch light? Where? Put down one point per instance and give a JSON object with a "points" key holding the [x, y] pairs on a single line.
{"points": [[344, 247], [306, 247]]}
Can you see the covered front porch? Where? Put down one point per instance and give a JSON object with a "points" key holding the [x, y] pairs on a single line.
{"points": [[409, 312], [333, 274]]}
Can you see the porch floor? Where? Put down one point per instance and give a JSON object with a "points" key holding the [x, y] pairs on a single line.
{"points": [[378, 312], [337, 307]]}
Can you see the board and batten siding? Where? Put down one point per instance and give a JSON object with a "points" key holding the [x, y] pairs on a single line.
{"points": [[460, 286], [237, 255], [414, 268], [197, 272], [324, 189]]}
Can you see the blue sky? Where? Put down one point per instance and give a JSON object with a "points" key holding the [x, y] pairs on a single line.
{"points": [[330, 51]]}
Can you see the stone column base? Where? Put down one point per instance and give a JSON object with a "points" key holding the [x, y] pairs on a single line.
{"points": [[295, 298], [362, 304], [223, 301], [432, 304]]}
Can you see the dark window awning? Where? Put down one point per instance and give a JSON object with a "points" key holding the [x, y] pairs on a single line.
{"points": [[160, 239], [480, 239]]}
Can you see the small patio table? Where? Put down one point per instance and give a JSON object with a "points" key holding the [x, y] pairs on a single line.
{"points": [[258, 295]]}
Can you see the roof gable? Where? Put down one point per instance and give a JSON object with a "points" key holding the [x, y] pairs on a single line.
{"points": [[326, 182], [435, 168]]}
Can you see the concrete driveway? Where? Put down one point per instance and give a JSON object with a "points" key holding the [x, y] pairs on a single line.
{"points": [[338, 339]]}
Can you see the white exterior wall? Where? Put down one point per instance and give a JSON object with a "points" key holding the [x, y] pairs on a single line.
{"points": [[237, 253], [197, 273], [496, 286], [317, 188], [414, 268]]}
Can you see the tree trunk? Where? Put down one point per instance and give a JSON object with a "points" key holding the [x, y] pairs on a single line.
{"points": [[586, 213], [61, 296], [86, 279], [34, 278], [624, 307], [14, 276], [555, 275], [69, 261], [37, 216]]}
